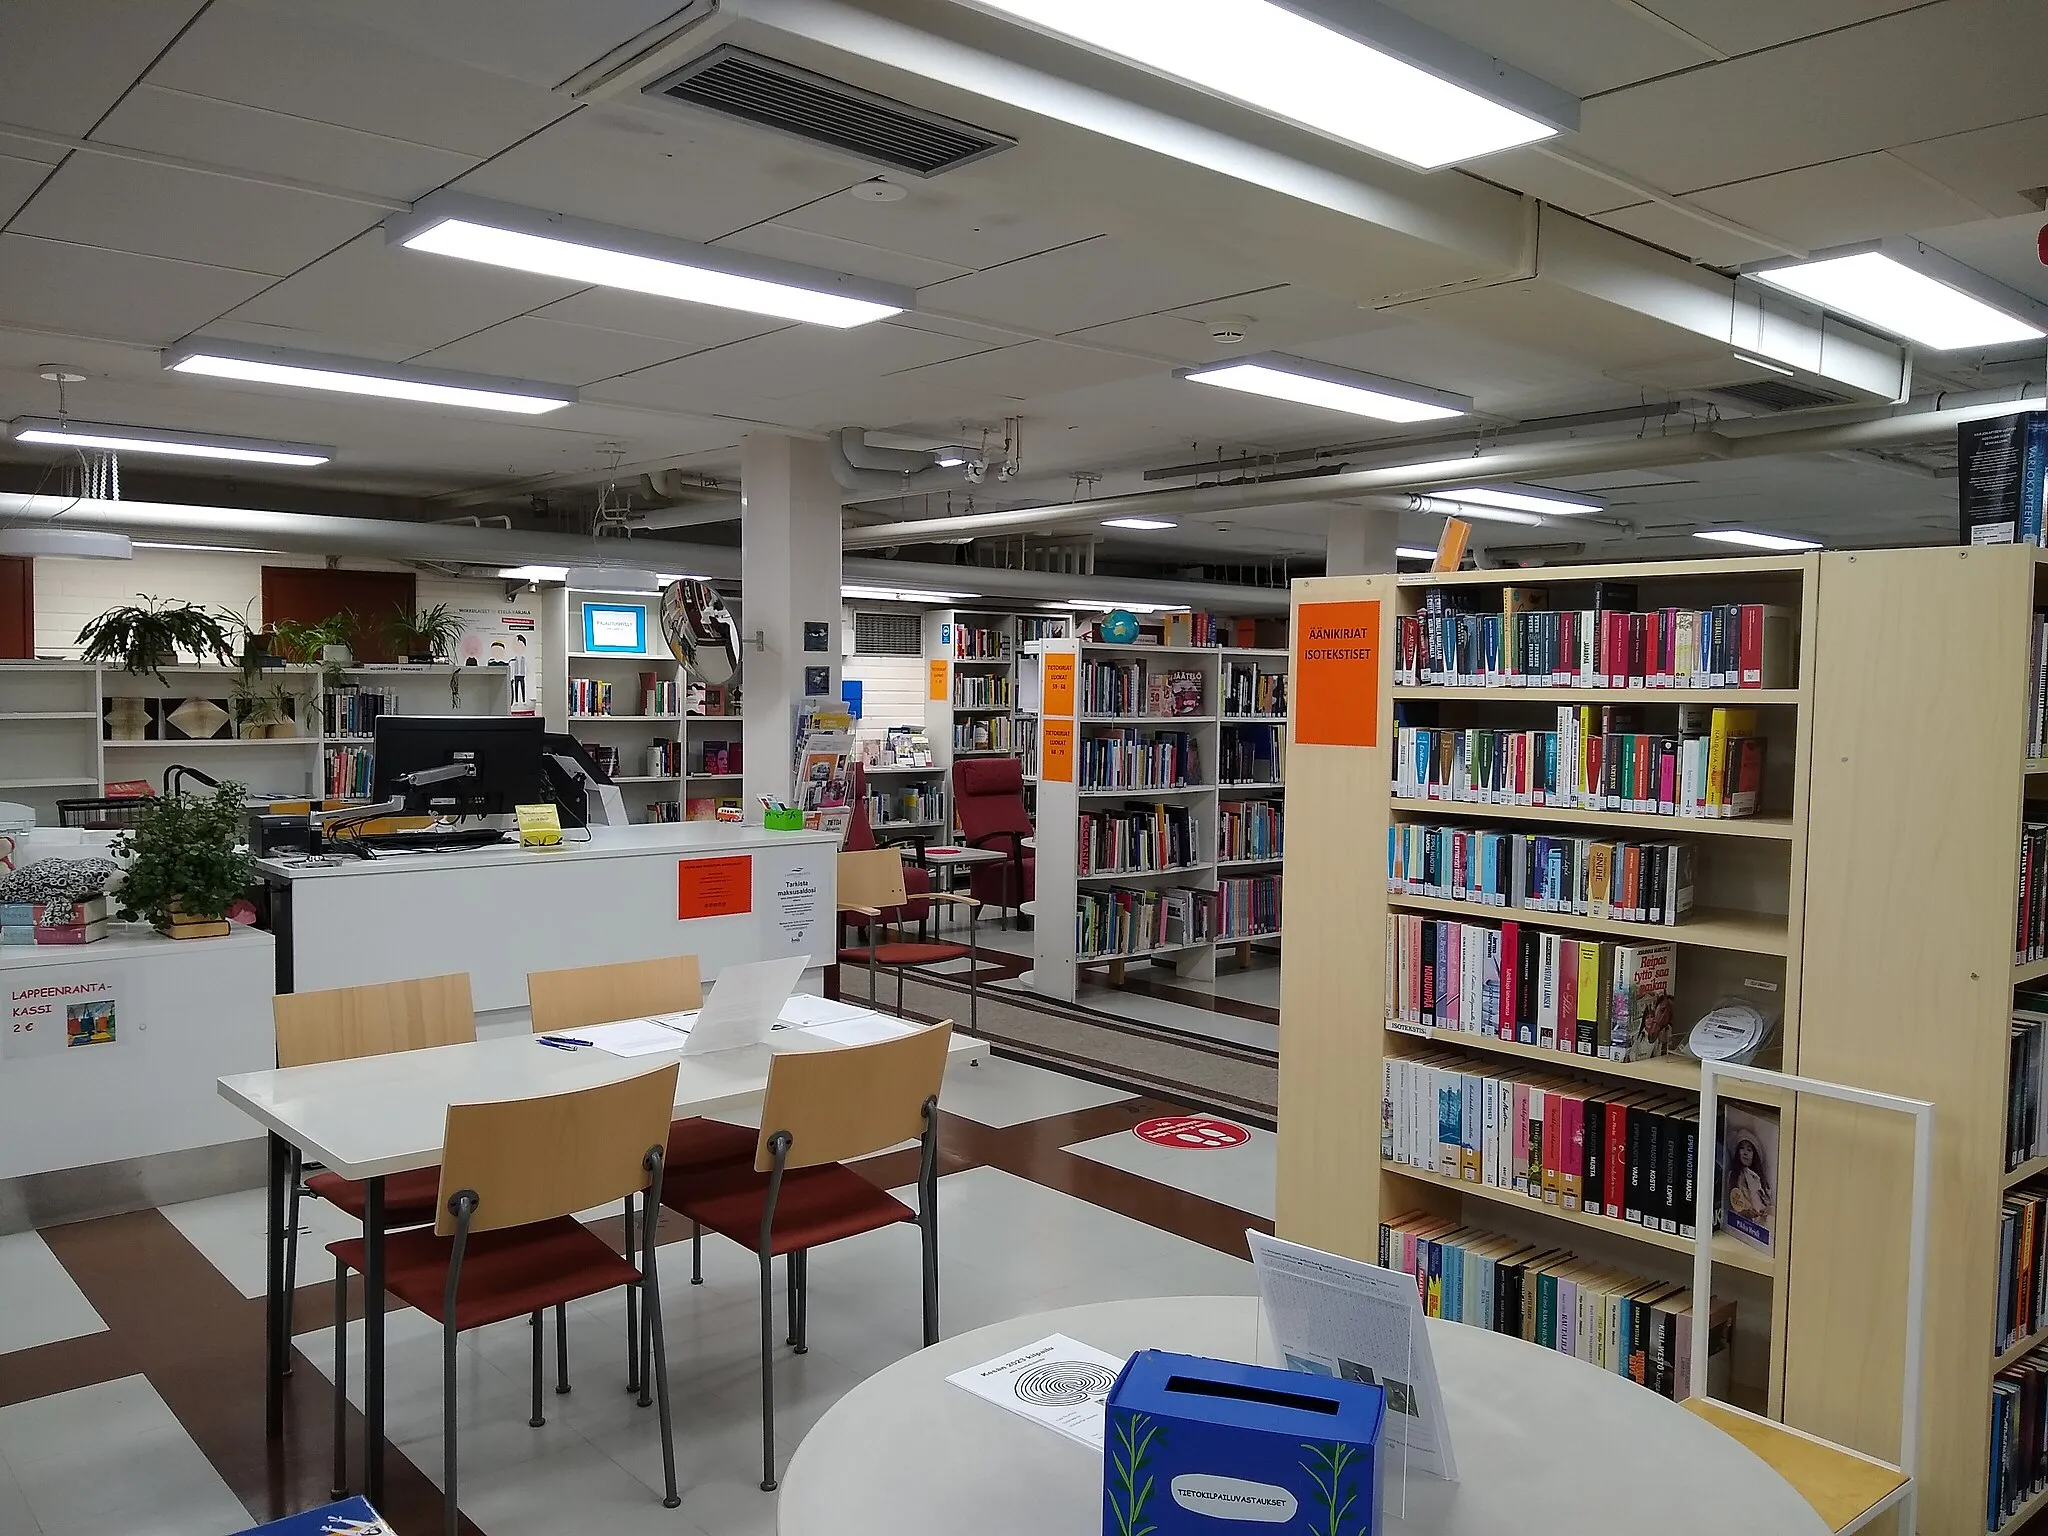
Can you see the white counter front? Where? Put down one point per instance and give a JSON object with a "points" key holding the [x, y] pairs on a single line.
{"points": [[112, 1050], [723, 892]]}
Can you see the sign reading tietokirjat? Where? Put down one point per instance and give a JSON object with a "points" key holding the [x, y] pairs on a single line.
{"points": [[1337, 674]]}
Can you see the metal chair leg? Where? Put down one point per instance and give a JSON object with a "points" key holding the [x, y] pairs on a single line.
{"points": [[633, 1348], [561, 1348], [291, 1252], [767, 1374], [657, 1367], [451, 1519], [696, 1254], [464, 1207], [803, 1300], [789, 1285], [339, 1487], [899, 990], [973, 970], [538, 1419]]}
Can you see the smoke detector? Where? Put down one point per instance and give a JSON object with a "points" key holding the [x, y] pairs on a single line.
{"points": [[1228, 330], [880, 191]]}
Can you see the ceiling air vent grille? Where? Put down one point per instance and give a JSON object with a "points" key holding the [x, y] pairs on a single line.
{"points": [[771, 94], [887, 634], [1770, 395]]}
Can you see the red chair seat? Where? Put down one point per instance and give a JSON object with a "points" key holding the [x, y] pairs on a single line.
{"points": [[906, 954], [699, 1146], [816, 1206], [507, 1273], [411, 1199]]}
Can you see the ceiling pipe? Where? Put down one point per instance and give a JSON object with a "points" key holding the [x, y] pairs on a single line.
{"points": [[494, 548], [858, 466], [1910, 422]]}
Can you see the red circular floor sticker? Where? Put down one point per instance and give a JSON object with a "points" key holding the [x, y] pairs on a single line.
{"points": [[1197, 1132]]}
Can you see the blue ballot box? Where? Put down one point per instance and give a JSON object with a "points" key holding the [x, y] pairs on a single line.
{"points": [[351, 1517], [1193, 1441]]}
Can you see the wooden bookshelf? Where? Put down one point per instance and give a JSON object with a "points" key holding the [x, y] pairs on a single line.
{"points": [[1747, 927]]}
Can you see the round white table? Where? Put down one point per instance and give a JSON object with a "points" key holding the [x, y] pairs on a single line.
{"points": [[1544, 1444]]}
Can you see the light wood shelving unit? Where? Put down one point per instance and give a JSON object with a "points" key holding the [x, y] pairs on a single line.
{"points": [[1745, 933]]}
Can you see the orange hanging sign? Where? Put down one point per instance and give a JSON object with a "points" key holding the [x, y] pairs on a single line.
{"points": [[1336, 683], [1057, 754], [938, 688], [1059, 685], [721, 887]]}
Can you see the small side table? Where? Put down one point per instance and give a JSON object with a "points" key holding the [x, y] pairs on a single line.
{"points": [[945, 859]]}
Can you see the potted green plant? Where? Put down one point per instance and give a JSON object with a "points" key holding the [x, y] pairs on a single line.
{"points": [[423, 637], [262, 712], [149, 637], [325, 644], [186, 863]]}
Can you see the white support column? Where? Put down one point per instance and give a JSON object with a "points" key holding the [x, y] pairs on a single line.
{"points": [[789, 577], [1362, 540]]}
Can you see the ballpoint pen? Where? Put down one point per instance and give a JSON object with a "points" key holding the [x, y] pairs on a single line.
{"points": [[561, 1045]]}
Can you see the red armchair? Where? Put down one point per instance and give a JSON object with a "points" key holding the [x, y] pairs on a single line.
{"points": [[988, 803], [860, 836]]}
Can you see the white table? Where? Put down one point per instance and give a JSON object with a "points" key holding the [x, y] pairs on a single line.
{"points": [[378, 1115], [951, 857], [1546, 1446]]}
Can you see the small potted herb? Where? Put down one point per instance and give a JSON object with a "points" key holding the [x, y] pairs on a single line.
{"points": [[423, 637], [147, 638], [186, 863]]}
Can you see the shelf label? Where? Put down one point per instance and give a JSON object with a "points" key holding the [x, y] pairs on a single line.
{"points": [[1059, 685], [938, 692], [721, 887], [1056, 742], [1337, 674], [1404, 1027]]}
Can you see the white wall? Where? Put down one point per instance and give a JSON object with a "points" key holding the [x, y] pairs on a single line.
{"points": [[892, 686]]}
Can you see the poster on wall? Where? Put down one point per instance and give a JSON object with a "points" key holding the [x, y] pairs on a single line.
{"points": [[789, 901], [1336, 680], [498, 636], [63, 1008]]}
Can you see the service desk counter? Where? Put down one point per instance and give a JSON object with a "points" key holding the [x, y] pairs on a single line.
{"points": [[723, 892], [108, 1067]]}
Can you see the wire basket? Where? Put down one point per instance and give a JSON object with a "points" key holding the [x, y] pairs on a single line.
{"points": [[103, 815]]}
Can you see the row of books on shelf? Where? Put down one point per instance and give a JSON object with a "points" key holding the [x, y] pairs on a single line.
{"points": [[1247, 906], [1137, 839], [901, 746], [974, 643], [2022, 1267], [982, 690], [1132, 688], [720, 757], [1025, 736], [1248, 690], [1130, 920], [1627, 882], [2030, 940], [350, 773], [1613, 1320], [1596, 759], [659, 695], [664, 757], [593, 696], [1129, 759], [664, 811], [354, 711], [1624, 1154], [1249, 829], [2037, 687], [1553, 991], [1456, 642], [2019, 1437], [992, 733], [906, 805], [1254, 754], [1030, 629], [2026, 1082], [605, 756]]}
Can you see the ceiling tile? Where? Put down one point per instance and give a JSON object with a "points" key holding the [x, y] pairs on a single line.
{"points": [[693, 326], [64, 62], [684, 174], [1996, 168], [1581, 46], [1860, 198], [356, 79], [387, 293], [278, 144], [52, 285], [1532, 171], [1742, 26], [543, 41], [2004, 249], [786, 243], [1029, 371], [1689, 237], [1828, 97], [18, 179], [1288, 317], [940, 224], [155, 211], [1091, 283], [530, 348], [787, 363]]}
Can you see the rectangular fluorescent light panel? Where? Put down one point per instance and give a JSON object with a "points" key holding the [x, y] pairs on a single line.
{"points": [[578, 251], [358, 376], [1870, 286], [1778, 543], [535, 573], [1139, 524], [69, 433], [1332, 388], [901, 595], [1411, 552], [1518, 498], [1293, 67]]}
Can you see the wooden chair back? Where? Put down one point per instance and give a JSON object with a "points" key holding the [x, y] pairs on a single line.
{"points": [[873, 877], [373, 1020], [535, 1159], [841, 1104], [599, 994]]}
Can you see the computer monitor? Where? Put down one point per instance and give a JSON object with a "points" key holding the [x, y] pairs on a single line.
{"points": [[503, 750]]}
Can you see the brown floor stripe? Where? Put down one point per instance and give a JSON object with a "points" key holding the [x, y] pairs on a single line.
{"points": [[60, 1367]]}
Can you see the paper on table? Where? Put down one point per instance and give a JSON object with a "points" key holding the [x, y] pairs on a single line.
{"points": [[635, 1037], [861, 1031], [1058, 1382], [744, 1003], [803, 1010]]}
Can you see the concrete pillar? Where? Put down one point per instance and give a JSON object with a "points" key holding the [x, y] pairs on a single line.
{"points": [[789, 577], [1362, 540]]}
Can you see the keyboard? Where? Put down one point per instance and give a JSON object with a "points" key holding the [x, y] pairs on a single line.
{"points": [[425, 840]]}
